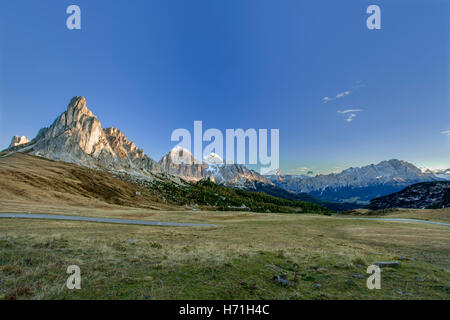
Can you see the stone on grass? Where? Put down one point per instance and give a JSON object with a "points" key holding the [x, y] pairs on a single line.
{"points": [[282, 280], [387, 264]]}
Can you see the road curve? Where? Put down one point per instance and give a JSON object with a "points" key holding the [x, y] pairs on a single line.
{"points": [[104, 220], [403, 220]]}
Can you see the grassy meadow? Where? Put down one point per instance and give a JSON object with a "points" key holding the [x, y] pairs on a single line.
{"points": [[323, 257]]}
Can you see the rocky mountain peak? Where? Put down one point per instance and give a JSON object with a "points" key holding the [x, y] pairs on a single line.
{"points": [[79, 103], [180, 162], [17, 141], [77, 136], [121, 145], [179, 156], [213, 159]]}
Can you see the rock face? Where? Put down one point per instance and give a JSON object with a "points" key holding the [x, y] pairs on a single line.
{"points": [[180, 162], [77, 136], [427, 195], [17, 141], [357, 185]]}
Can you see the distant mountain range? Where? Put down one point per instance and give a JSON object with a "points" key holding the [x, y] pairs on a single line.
{"points": [[76, 136], [425, 195], [356, 185]]}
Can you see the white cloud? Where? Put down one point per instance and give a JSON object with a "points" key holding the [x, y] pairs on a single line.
{"points": [[338, 96], [446, 132], [349, 110], [350, 114]]}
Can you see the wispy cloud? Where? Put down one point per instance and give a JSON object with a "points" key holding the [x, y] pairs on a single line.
{"points": [[338, 96], [349, 110], [358, 84], [446, 132], [302, 170], [350, 114]]}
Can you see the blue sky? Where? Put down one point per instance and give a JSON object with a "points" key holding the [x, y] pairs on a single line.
{"points": [[149, 67]]}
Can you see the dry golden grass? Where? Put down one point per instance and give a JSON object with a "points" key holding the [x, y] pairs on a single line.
{"points": [[442, 215], [41, 182], [230, 261]]}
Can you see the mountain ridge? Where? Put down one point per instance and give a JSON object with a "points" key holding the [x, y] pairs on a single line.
{"points": [[350, 185]]}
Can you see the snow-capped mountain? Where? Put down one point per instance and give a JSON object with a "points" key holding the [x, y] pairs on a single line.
{"points": [[77, 136], [180, 162], [213, 159], [425, 195], [357, 185]]}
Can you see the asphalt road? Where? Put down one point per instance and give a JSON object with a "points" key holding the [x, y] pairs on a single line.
{"points": [[404, 220], [104, 220], [170, 224]]}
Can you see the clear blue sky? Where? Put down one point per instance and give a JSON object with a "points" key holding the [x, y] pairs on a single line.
{"points": [[149, 67]]}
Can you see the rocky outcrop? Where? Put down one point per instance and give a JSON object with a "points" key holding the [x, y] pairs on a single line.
{"points": [[17, 141], [427, 195], [77, 136]]}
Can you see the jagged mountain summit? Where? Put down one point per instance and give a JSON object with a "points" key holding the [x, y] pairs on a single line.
{"points": [[17, 141], [180, 162], [77, 136], [425, 195], [213, 159], [357, 185]]}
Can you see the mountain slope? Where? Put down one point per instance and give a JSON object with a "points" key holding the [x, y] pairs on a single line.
{"points": [[26, 179], [426, 195]]}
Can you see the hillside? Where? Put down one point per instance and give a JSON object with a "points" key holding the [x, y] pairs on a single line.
{"points": [[427, 195], [26, 178], [29, 179]]}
